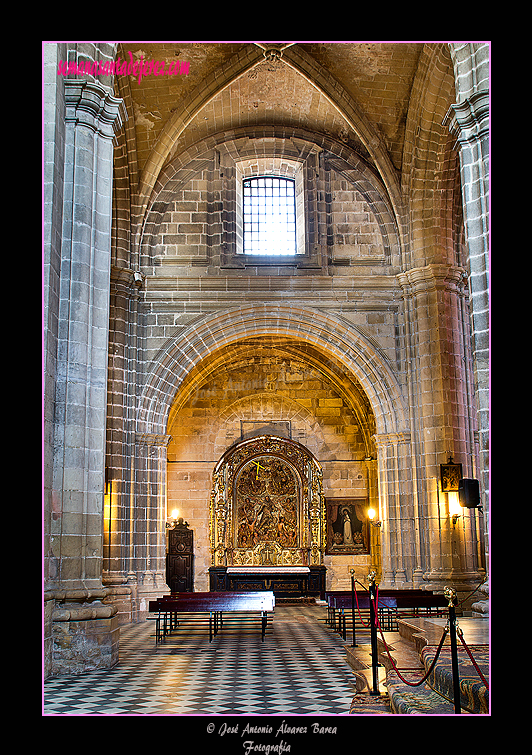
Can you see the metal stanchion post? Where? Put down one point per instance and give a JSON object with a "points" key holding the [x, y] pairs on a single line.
{"points": [[373, 622], [450, 594], [353, 605]]}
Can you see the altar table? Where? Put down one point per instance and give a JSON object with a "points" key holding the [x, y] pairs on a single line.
{"points": [[284, 581]]}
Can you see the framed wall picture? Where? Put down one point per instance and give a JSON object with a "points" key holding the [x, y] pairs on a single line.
{"points": [[347, 526], [450, 476]]}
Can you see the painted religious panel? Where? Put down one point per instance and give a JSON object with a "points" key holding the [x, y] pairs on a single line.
{"points": [[267, 504], [450, 476], [347, 526]]}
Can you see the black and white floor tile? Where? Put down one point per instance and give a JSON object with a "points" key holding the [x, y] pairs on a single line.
{"points": [[299, 669]]}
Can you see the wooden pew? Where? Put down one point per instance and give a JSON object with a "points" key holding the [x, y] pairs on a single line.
{"points": [[213, 603], [408, 605], [170, 617], [339, 603], [394, 604]]}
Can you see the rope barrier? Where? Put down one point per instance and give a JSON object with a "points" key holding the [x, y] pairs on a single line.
{"points": [[479, 672], [445, 631], [405, 681], [470, 594], [451, 627], [364, 624], [358, 609]]}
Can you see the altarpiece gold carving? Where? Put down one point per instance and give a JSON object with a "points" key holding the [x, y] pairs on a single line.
{"points": [[267, 506]]}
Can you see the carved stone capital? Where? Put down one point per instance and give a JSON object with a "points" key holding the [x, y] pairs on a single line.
{"points": [[468, 121], [152, 439], [90, 104], [431, 278]]}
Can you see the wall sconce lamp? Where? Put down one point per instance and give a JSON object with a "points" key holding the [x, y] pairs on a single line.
{"points": [[454, 506], [371, 516], [450, 476], [173, 519]]}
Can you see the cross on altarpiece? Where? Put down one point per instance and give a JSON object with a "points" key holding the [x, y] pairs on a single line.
{"points": [[259, 466]]}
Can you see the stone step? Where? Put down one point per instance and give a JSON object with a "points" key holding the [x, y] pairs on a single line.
{"points": [[402, 697], [403, 665], [423, 700], [417, 645], [403, 653], [474, 695], [359, 658], [364, 704]]}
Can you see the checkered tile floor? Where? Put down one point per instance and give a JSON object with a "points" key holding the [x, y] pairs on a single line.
{"points": [[299, 669]]}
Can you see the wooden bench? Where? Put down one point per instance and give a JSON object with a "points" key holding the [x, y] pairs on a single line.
{"points": [[339, 604], [391, 604], [169, 607], [169, 618]]}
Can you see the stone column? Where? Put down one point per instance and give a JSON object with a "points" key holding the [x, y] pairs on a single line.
{"points": [[149, 555], [85, 635], [397, 535], [468, 121], [441, 411], [119, 510]]}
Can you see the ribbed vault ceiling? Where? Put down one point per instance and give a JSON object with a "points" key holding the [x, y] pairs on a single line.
{"points": [[376, 77]]}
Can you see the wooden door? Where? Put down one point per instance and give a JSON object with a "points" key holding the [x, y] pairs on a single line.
{"points": [[180, 558]]}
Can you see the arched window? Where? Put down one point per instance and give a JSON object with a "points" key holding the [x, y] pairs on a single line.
{"points": [[269, 215]]}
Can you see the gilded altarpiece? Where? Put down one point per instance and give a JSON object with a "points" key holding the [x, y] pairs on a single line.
{"points": [[267, 506]]}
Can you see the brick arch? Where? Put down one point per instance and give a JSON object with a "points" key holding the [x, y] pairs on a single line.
{"points": [[327, 333]]}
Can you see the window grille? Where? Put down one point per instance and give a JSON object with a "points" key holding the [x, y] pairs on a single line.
{"points": [[269, 215]]}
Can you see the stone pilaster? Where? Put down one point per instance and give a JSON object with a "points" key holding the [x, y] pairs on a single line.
{"points": [[438, 393], [150, 517], [120, 501], [398, 545], [84, 628], [81, 386]]}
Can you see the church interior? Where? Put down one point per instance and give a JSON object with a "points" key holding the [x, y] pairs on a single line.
{"points": [[266, 371]]}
